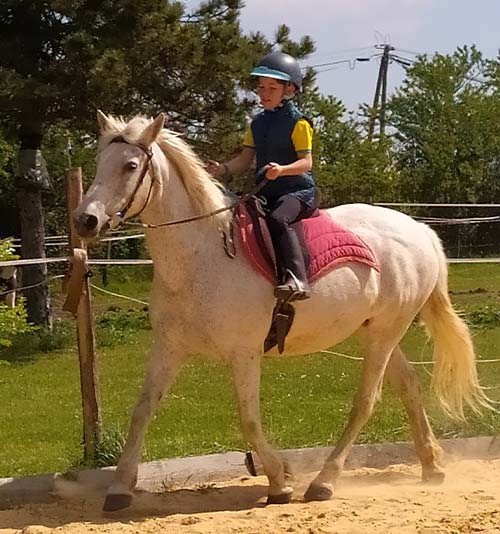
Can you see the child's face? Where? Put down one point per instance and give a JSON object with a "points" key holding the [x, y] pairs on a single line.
{"points": [[271, 92]]}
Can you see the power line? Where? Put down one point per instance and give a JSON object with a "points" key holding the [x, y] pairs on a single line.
{"points": [[411, 52], [319, 65], [350, 61], [404, 61], [338, 52], [337, 67]]}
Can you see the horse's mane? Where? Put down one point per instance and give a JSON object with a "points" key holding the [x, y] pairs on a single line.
{"points": [[205, 194]]}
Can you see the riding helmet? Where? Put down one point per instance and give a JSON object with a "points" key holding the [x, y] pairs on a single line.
{"points": [[279, 66]]}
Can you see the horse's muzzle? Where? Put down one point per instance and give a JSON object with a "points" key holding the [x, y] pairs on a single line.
{"points": [[88, 226]]}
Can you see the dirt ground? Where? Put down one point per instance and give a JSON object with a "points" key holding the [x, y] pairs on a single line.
{"points": [[367, 501]]}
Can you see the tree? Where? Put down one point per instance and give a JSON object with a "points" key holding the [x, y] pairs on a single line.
{"points": [[60, 60], [347, 168], [447, 132], [7, 208]]}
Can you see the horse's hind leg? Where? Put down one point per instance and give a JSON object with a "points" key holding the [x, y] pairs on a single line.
{"points": [[369, 390], [402, 376], [246, 377], [162, 369]]}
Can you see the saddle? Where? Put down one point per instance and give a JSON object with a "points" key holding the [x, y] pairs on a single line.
{"points": [[259, 242], [325, 244]]}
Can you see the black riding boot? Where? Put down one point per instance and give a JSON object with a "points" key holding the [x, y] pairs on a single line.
{"points": [[295, 285]]}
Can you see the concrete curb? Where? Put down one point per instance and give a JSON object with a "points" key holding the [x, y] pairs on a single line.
{"points": [[161, 475]]}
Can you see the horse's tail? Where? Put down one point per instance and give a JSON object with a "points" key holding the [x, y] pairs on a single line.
{"points": [[454, 379]]}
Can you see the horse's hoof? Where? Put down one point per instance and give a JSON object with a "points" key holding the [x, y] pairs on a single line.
{"points": [[282, 498], [434, 477], [117, 501], [319, 492]]}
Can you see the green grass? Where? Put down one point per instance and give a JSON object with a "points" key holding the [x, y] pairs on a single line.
{"points": [[305, 400]]}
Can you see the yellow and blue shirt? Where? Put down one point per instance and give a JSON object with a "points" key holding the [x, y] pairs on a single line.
{"points": [[302, 136], [280, 136]]}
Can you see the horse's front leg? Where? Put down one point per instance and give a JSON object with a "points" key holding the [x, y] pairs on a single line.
{"points": [[162, 369], [246, 376]]}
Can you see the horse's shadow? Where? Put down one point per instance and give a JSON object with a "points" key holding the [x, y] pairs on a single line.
{"points": [[88, 509], [240, 496], [198, 500]]}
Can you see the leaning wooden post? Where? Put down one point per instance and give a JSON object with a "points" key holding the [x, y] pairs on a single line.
{"points": [[79, 303]]}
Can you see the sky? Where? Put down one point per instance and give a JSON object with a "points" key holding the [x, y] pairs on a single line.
{"points": [[346, 29]]}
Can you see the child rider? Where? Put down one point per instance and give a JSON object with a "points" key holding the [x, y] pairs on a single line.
{"points": [[280, 139]]}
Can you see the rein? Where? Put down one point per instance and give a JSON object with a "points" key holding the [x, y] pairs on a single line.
{"points": [[232, 206], [149, 156]]}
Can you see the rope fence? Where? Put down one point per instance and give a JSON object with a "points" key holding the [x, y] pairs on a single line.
{"points": [[125, 297], [24, 288], [428, 362], [94, 261], [57, 243], [433, 205], [442, 220]]}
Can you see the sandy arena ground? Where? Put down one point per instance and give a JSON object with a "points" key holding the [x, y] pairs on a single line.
{"points": [[367, 501]]}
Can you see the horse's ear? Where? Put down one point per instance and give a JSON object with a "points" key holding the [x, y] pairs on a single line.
{"points": [[102, 120], [151, 132]]}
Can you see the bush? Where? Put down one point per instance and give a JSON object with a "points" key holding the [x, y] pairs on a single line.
{"points": [[484, 317], [36, 339], [13, 321], [108, 450]]}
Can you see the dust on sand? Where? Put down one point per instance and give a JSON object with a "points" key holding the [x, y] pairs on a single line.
{"points": [[366, 501]]}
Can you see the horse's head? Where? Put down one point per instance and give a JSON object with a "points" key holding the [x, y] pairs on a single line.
{"points": [[124, 179]]}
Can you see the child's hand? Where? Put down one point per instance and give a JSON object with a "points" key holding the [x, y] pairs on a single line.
{"points": [[274, 171], [215, 168]]}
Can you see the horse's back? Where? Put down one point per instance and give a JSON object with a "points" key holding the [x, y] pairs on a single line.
{"points": [[361, 218], [381, 228], [407, 251]]}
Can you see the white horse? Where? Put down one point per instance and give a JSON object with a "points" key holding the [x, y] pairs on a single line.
{"points": [[204, 302]]}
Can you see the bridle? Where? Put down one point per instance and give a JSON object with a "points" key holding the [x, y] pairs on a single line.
{"points": [[148, 151]]}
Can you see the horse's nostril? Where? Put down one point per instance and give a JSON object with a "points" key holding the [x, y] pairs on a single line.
{"points": [[90, 222]]}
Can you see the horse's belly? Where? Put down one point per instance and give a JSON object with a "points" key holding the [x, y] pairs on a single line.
{"points": [[340, 304], [320, 335]]}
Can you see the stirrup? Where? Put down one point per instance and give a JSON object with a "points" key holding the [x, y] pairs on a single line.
{"points": [[292, 289]]}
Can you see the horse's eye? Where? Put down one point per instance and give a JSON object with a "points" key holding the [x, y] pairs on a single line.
{"points": [[131, 166]]}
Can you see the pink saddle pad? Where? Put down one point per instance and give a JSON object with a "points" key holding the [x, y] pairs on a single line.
{"points": [[328, 242]]}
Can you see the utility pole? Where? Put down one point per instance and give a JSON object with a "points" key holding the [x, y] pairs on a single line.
{"points": [[381, 87]]}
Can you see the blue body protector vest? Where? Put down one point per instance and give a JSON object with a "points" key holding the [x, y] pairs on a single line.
{"points": [[272, 135]]}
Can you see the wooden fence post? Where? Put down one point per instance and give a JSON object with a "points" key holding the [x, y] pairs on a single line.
{"points": [[89, 378]]}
